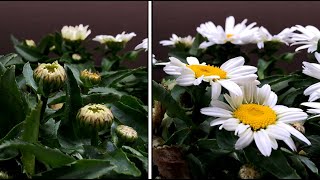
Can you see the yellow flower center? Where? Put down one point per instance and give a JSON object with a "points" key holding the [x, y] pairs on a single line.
{"points": [[229, 36], [51, 67], [207, 70], [257, 116]]}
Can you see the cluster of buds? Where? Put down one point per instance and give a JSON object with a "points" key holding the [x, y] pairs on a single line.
{"points": [[89, 78], [51, 76], [95, 116]]}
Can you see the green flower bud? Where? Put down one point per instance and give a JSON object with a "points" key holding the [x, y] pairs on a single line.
{"points": [[89, 78], [248, 171], [52, 76], [52, 48], [126, 133], [95, 116], [76, 57], [4, 175], [30, 43]]}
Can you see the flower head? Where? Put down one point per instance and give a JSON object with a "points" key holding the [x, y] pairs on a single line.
{"points": [[255, 116], [308, 38], [175, 41], [313, 70], [95, 116], [52, 76], [114, 43], [90, 78], [75, 33], [248, 171], [235, 34], [143, 45], [284, 36], [229, 74], [126, 133], [76, 57]]}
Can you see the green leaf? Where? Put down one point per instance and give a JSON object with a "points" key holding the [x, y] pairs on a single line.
{"points": [[226, 140], [52, 157], [28, 75], [194, 51], [178, 137], [111, 78], [11, 59], [139, 156], [276, 163], [14, 40], [107, 63], [28, 54], [12, 110], [207, 144], [172, 106], [262, 67], [198, 169], [30, 134], [81, 169], [309, 164], [131, 116], [69, 129]]}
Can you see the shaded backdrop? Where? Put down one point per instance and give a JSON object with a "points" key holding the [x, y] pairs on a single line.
{"points": [[182, 18], [34, 19]]}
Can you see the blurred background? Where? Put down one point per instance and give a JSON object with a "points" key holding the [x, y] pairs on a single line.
{"points": [[182, 18], [34, 19]]}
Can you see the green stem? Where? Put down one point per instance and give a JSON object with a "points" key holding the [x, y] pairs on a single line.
{"points": [[94, 138], [44, 106]]}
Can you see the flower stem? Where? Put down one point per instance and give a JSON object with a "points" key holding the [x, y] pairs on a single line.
{"points": [[44, 106]]}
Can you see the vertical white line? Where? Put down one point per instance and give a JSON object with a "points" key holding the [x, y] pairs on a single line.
{"points": [[149, 89]]}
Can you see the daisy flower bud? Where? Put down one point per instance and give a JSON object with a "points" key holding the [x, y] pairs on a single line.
{"points": [[249, 172], [4, 175], [52, 48], [95, 116], [30, 43], [75, 33], [52, 76], [126, 133], [299, 126], [89, 78], [76, 57]]}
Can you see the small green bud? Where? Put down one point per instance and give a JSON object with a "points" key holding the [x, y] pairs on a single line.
{"points": [[52, 48], [52, 76], [4, 175], [95, 116], [30, 43], [89, 78], [76, 57], [126, 133]]}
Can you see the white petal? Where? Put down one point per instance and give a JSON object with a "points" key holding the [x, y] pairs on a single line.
{"points": [[217, 121], [220, 104], [311, 89], [292, 117], [271, 100], [216, 112], [241, 128], [317, 55], [232, 63], [192, 60], [231, 87], [262, 141], [231, 124], [290, 143], [245, 139], [315, 105], [198, 80], [277, 132], [215, 90], [295, 132], [274, 143]]}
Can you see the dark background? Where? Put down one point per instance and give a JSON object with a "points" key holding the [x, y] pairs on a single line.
{"points": [[34, 19], [182, 18]]}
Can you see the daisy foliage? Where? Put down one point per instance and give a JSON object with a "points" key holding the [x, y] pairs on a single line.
{"points": [[233, 102]]}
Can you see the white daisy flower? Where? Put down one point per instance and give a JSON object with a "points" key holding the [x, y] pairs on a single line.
{"points": [[309, 38], [174, 40], [75, 33], [254, 116], [143, 45], [313, 70], [123, 37], [236, 34], [284, 36], [229, 75]]}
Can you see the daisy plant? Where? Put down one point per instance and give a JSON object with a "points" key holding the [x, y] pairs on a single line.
{"points": [[61, 108], [228, 106]]}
